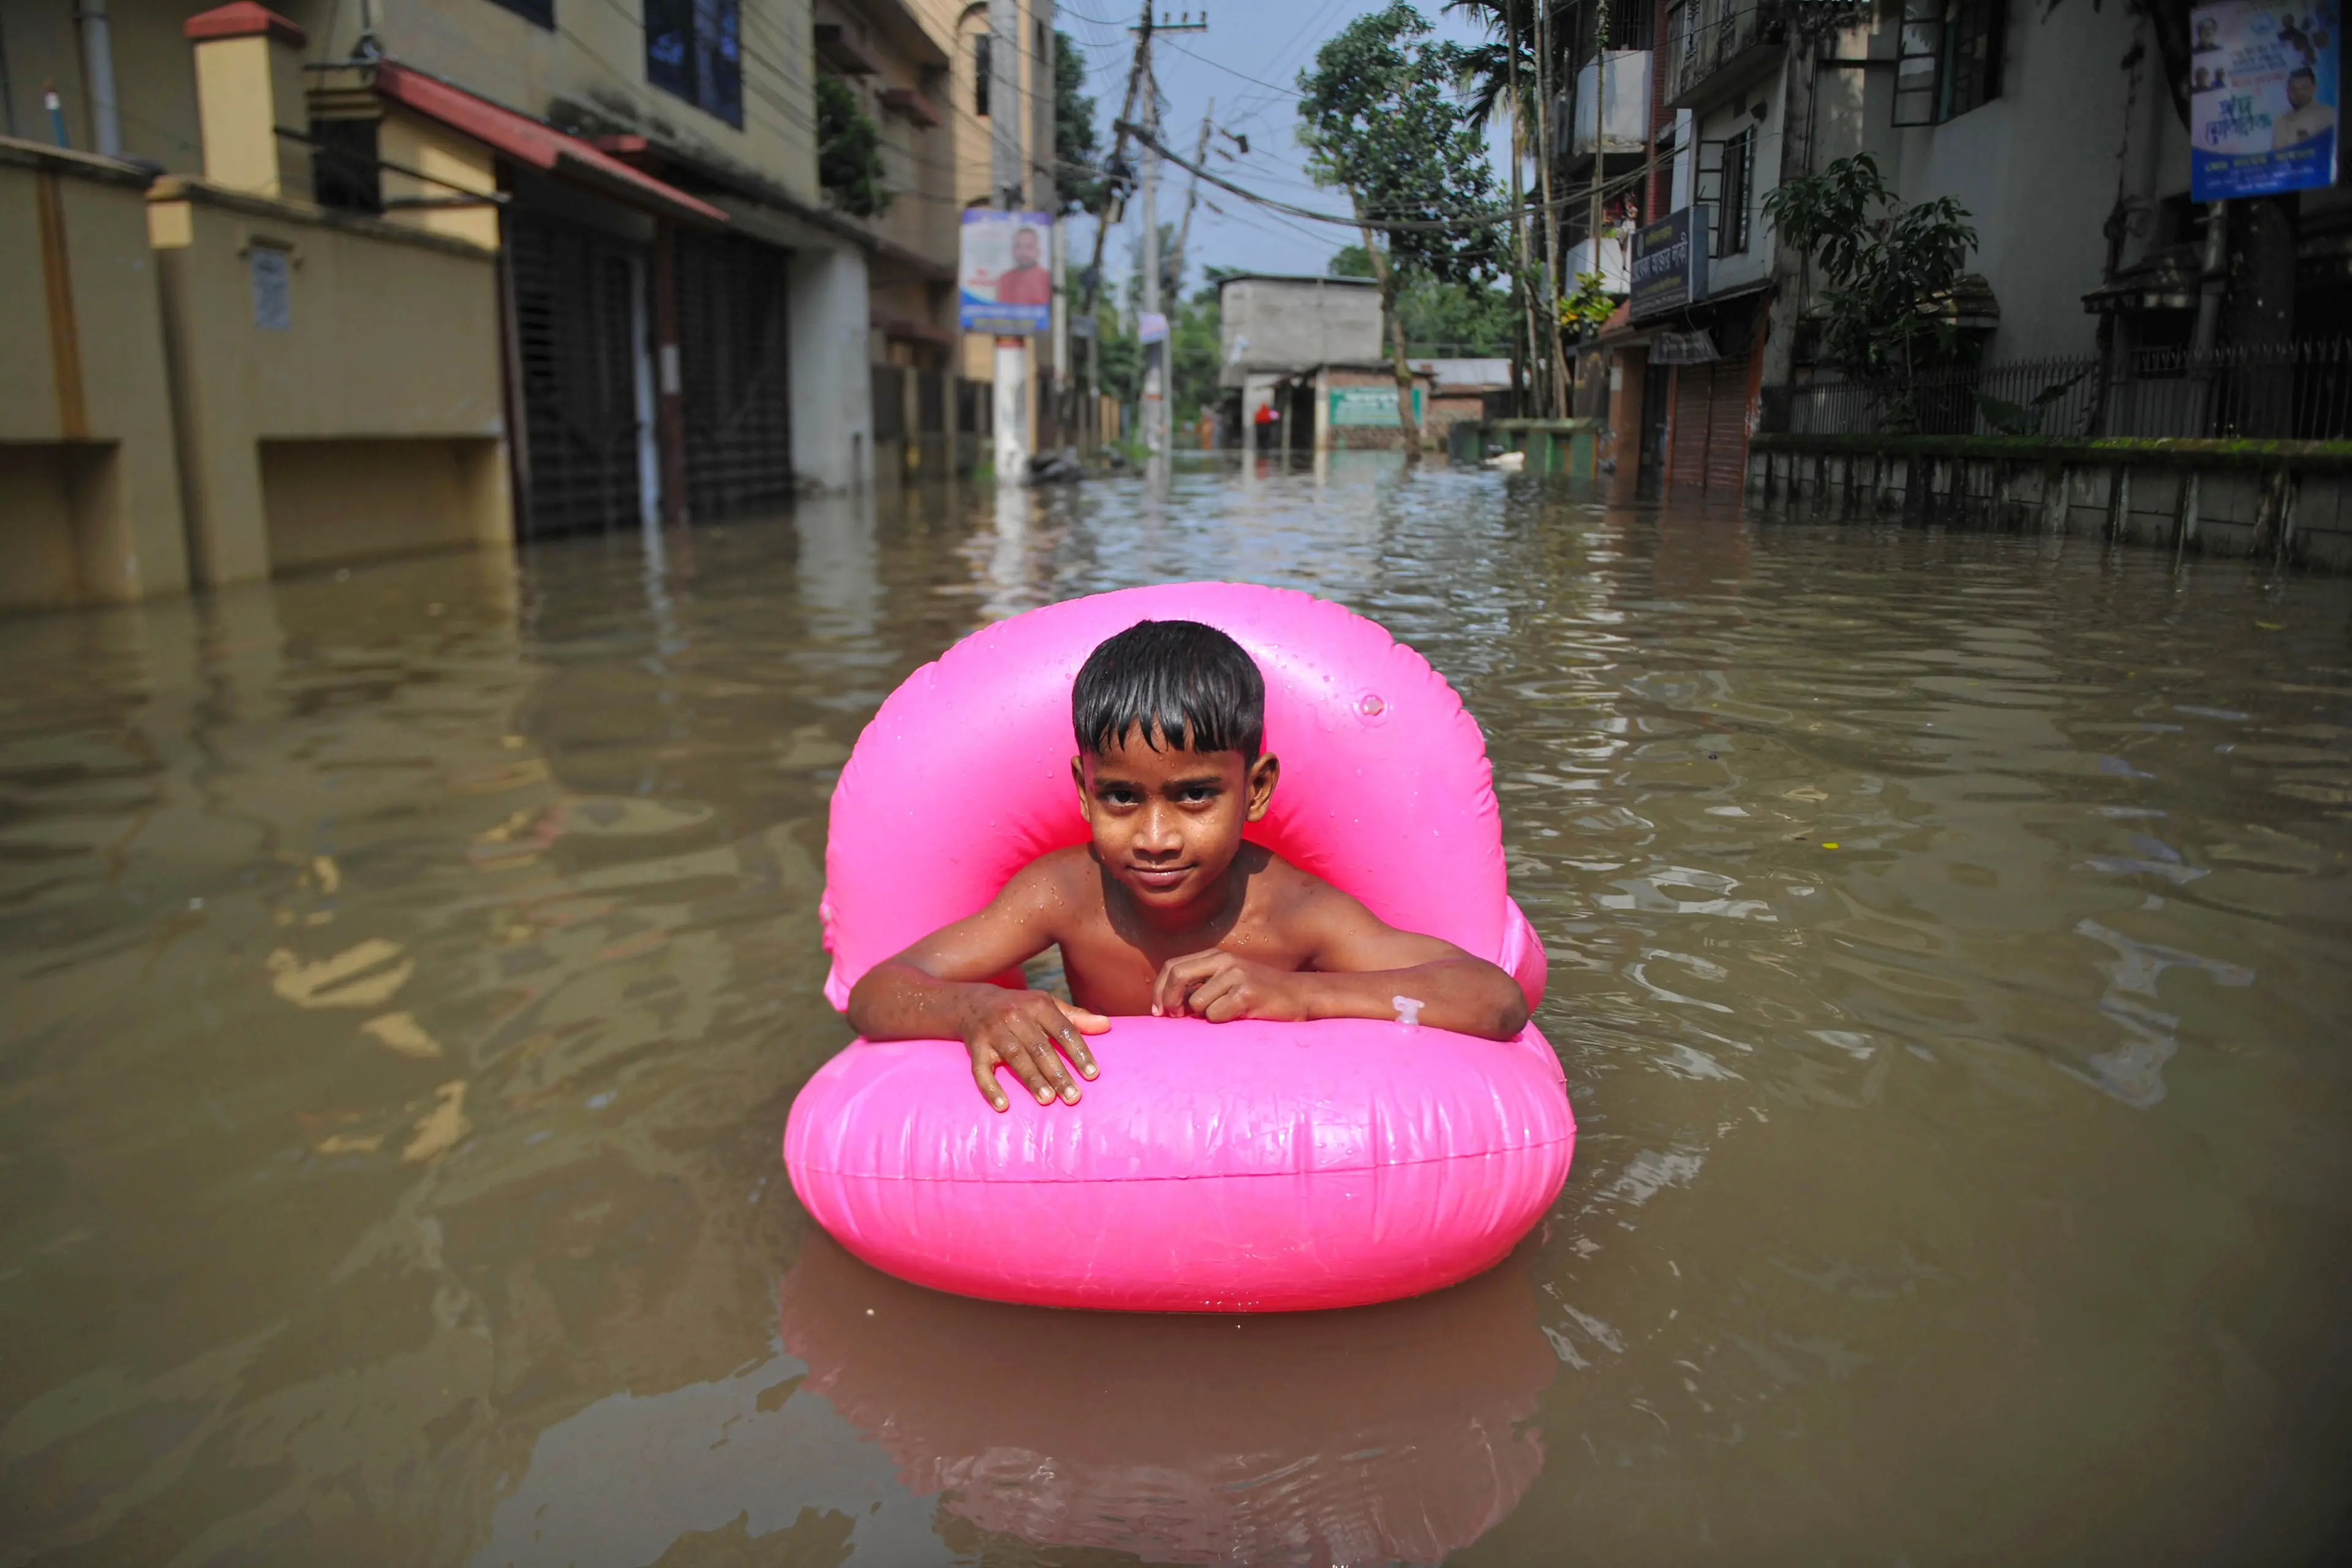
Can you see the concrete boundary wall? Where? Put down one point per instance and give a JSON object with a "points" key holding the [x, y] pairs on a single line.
{"points": [[2283, 501]]}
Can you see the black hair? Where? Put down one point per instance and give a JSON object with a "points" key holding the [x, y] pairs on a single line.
{"points": [[2304, 70], [1178, 683]]}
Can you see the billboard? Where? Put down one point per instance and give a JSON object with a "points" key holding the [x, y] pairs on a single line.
{"points": [[2262, 96], [1669, 263], [1001, 275]]}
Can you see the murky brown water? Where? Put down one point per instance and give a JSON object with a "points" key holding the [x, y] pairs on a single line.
{"points": [[408, 977]]}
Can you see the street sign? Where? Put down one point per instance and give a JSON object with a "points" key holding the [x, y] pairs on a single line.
{"points": [[1151, 327], [1081, 325], [1670, 263], [2263, 91], [1683, 348]]}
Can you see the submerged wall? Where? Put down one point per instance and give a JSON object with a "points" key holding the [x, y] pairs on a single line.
{"points": [[2286, 501]]}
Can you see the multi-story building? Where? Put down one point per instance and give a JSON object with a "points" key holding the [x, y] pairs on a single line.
{"points": [[2053, 126], [690, 319]]}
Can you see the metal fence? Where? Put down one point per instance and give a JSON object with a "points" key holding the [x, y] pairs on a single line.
{"points": [[2298, 391]]}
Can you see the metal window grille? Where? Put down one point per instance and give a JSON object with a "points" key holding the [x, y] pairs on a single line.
{"points": [[984, 68], [1918, 61], [2297, 391], [1733, 187], [1972, 44], [1949, 59], [694, 50]]}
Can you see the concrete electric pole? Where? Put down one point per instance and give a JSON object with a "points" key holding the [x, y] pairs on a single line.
{"points": [[1011, 401]]}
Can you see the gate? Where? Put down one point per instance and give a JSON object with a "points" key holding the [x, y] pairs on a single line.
{"points": [[576, 328], [734, 350]]}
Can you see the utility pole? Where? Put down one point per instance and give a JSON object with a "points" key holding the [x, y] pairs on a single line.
{"points": [[1136, 70], [1156, 366], [1523, 365], [1192, 192], [1005, 119], [1600, 169]]}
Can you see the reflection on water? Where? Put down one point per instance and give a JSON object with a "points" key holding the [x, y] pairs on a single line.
{"points": [[409, 970]]}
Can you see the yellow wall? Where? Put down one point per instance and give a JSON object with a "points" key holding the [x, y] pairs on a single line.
{"points": [[88, 500], [393, 336], [331, 501]]}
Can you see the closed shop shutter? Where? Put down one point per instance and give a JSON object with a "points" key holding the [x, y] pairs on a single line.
{"points": [[734, 373], [575, 309], [1727, 440], [1692, 387]]}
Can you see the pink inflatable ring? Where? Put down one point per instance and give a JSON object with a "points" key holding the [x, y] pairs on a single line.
{"points": [[1213, 1167]]}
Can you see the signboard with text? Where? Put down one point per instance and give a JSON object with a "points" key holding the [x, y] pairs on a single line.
{"points": [[1368, 404], [2263, 97], [1000, 273], [1669, 269]]}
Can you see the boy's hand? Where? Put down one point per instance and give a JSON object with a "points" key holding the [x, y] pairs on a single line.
{"points": [[1218, 987], [1029, 1032]]}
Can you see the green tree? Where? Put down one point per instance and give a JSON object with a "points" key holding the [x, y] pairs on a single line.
{"points": [[848, 151], [1463, 318], [1074, 148], [1377, 119], [1890, 270], [1196, 345]]}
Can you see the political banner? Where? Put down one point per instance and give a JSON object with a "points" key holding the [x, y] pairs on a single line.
{"points": [[2263, 97], [1001, 274]]}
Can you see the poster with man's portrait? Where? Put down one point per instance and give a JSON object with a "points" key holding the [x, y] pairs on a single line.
{"points": [[2263, 97], [1004, 274]]}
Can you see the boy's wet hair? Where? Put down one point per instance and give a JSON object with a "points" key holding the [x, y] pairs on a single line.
{"points": [[1178, 683]]}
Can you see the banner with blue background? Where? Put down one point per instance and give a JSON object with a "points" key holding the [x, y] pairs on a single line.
{"points": [[2262, 98]]}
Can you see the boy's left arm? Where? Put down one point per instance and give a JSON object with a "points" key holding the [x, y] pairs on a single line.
{"points": [[1361, 967]]}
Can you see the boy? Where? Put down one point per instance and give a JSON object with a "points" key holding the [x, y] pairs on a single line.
{"points": [[1166, 911]]}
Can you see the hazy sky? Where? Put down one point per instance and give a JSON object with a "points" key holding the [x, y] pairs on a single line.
{"points": [[1248, 62]]}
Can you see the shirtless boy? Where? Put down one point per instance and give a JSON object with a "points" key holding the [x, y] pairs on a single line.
{"points": [[1167, 910]]}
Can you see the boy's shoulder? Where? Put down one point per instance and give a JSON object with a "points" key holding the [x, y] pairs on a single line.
{"points": [[1287, 888], [1063, 870]]}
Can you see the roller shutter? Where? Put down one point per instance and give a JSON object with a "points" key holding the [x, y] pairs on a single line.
{"points": [[1709, 441]]}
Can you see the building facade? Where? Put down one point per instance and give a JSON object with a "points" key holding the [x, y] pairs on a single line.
{"points": [[685, 317]]}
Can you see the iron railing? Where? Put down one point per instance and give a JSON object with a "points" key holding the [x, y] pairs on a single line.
{"points": [[1703, 35], [2295, 391]]}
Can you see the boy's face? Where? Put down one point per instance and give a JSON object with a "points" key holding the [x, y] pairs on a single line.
{"points": [[1167, 822]]}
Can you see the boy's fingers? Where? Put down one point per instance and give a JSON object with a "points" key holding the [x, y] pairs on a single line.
{"points": [[1088, 1023], [1049, 1061], [983, 1073], [1066, 1032], [1020, 1059]]}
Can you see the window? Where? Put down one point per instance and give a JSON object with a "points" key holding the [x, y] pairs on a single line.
{"points": [[983, 66], [1949, 59], [540, 11], [694, 49], [1737, 175]]}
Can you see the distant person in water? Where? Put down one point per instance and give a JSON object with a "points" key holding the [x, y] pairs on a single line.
{"points": [[1025, 283], [1165, 910]]}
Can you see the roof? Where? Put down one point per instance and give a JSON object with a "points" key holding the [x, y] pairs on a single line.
{"points": [[1466, 373], [242, 19], [1294, 277], [538, 145]]}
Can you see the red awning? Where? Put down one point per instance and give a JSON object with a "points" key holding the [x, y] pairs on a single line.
{"points": [[542, 147]]}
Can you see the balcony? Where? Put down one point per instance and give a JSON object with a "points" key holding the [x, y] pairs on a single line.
{"points": [[1712, 41], [1625, 105]]}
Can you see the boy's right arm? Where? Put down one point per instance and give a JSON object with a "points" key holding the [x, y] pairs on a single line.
{"points": [[940, 989]]}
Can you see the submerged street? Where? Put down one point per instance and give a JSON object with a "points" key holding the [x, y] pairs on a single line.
{"points": [[410, 968]]}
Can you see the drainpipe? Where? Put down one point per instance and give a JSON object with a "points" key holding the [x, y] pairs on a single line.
{"points": [[98, 64], [2209, 302], [669, 391]]}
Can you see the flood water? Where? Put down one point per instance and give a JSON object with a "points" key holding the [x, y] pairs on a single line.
{"points": [[408, 973]]}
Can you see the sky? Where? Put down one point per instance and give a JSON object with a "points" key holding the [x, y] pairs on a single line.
{"points": [[1248, 63]]}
